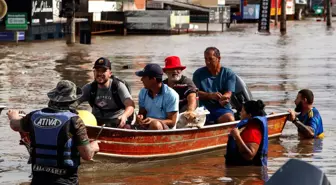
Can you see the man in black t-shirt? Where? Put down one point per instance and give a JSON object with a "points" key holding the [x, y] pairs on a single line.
{"points": [[183, 85]]}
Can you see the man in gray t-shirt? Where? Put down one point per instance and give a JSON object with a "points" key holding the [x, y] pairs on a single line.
{"points": [[109, 98]]}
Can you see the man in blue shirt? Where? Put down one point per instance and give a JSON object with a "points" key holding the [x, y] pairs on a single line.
{"points": [[309, 121], [158, 103], [216, 85]]}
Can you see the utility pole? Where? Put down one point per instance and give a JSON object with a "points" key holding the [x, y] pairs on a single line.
{"points": [[71, 35], [276, 13], [283, 17], [328, 13], [70, 23]]}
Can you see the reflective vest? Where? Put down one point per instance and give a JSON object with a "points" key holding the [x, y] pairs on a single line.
{"points": [[52, 144], [234, 157]]}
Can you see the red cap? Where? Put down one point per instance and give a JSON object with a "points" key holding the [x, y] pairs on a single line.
{"points": [[173, 62]]}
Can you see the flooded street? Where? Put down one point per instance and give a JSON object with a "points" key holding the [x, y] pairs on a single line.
{"points": [[274, 67]]}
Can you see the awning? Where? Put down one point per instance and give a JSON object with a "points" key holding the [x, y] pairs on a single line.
{"points": [[187, 6]]}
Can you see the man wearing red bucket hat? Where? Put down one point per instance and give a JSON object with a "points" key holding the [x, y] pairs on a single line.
{"points": [[183, 85]]}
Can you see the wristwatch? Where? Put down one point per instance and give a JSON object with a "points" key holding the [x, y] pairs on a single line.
{"points": [[295, 120]]}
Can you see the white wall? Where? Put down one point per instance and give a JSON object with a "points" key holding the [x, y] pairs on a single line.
{"points": [[56, 9], [102, 6]]}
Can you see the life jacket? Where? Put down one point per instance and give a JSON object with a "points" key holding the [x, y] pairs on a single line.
{"points": [[52, 144], [234, 157], [114, 91], [312, 114]]}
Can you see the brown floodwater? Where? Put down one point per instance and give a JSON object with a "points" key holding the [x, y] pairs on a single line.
{"points": [[274, 67]]}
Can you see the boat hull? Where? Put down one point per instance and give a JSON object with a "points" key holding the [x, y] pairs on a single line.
{"points": [[137, 145], [147, 145]]}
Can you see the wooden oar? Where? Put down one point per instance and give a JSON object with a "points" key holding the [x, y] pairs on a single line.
{"points": [[2, 107], [100, 131]]}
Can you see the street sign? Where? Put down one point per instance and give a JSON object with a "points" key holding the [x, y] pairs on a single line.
{"points": [[221, 14], [264, 16], [16, 21], [225, 14]]}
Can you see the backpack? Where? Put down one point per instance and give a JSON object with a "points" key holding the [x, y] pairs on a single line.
{"points": [[115, 95]]}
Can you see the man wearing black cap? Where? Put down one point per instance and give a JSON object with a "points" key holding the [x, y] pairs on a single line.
{"points": [[58, 137], [158, 103], [108, 96]]}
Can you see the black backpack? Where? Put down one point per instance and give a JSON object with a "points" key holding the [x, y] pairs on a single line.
{"points": [[115, 95]]}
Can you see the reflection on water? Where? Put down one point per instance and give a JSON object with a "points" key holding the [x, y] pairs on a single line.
{"points": [[202, 169], [275, 67], [75, 66]]}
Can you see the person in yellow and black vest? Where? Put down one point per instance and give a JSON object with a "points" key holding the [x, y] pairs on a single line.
{"points": [[309, 121], [58, 137], [248, 142]]}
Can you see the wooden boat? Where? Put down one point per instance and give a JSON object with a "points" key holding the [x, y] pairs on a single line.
{"points": [[148, 144], [152, 145]]}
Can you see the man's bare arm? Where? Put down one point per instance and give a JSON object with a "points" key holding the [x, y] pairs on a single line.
{"points": [[225, 98], [88, 151], [129, 107], [85, 148], [15, 124], [209, 96], [171, 119], [307, 131], [15, 120], [192, 102]]}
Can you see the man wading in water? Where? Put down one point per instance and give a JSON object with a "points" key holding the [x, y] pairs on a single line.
{"points": [[58, 137]]}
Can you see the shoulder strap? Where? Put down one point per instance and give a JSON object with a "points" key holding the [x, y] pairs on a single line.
{"points": [[115, 94], [242, 123], [93, 93]]}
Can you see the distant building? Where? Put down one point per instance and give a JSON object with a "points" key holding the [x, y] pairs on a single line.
{"points": [[98, 6], [206, 3]]}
